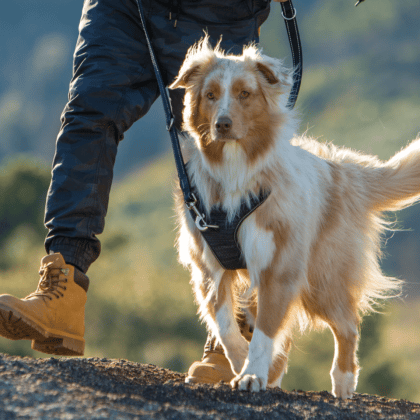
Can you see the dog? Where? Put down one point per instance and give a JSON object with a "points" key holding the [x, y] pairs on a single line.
{"points": [[312, 248]]}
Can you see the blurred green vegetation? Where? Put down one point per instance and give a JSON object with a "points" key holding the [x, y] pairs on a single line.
{"points": [[360, 89], [23, 186]]}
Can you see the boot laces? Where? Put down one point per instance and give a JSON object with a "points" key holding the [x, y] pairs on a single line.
{"points": [[50, 282], [212, 346]]}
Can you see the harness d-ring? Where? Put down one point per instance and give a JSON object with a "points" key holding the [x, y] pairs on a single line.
{"points": [[290, 18]]}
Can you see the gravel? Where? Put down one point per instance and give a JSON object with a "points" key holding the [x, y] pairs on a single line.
{"points": [[93, 388]]}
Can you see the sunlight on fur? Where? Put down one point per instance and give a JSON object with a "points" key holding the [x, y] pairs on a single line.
{"points": [[312, 249]]}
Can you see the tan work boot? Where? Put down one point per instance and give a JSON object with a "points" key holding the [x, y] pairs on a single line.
{"points": [[213, 367], [53, 317]]}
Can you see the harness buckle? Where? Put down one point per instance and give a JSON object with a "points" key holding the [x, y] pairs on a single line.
{"points": [[200, 221]]}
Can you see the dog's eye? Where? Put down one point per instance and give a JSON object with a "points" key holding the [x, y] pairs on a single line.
{"points": [[244, 94], [210, 95]]}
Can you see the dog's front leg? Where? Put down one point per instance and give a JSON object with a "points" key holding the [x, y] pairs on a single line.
{"points": [[274, 300], [228, 331]]}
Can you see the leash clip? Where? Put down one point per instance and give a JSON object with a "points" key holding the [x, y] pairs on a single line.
{"points": [[200, 221], [171, 123]]}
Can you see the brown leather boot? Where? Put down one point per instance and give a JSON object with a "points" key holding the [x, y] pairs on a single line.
{"points": [[213, 367], [53, 316]]}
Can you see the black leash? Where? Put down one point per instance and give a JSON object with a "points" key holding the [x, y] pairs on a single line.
{"points": [[289, 14], [182, 174]]}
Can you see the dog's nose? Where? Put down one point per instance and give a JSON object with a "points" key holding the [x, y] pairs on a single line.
{"points": [[223, 124]]}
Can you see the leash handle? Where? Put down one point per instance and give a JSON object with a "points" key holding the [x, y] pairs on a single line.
{"points": [[289, 15], [179, 162]]}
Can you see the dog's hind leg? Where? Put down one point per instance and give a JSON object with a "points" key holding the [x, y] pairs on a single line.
{"points": [[275, 299], [345, 370]]}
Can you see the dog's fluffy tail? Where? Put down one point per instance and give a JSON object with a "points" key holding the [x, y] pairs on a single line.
{"points": [[396, 183]]}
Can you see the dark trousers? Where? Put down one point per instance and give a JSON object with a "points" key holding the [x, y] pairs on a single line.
{"points": [[114, 85]]}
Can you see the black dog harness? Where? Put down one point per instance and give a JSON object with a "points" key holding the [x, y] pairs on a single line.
{"points": [[221, 235]]}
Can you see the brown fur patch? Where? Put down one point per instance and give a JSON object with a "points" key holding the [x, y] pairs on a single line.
{"points": [[201, 120], [275, 299], [225, 289], [279, 364], [334, 211], [267, 73], [273, 284], [262, 128], [346, 356]]}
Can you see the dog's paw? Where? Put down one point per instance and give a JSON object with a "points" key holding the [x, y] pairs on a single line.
{"points": [[343, 392], [246, 382], [343, 384]]}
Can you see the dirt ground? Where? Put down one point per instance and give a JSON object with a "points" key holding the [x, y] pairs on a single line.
{"points": [[118, 389]]}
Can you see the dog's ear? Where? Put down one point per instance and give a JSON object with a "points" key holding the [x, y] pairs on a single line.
{"points": [[200, 57], [184, 77], [271, 69], [267, 73]]}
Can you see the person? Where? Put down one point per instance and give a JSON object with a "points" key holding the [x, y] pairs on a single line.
{"points": [[113, 85]]}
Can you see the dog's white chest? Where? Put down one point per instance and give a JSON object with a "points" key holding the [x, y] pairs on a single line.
{"points": [[257, 244]]}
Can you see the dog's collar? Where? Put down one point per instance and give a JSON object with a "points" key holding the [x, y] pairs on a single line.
{"points": [[221, 235]]}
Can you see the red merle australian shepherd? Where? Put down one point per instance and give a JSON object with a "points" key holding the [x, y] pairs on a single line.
{"points": [[312, 248]]}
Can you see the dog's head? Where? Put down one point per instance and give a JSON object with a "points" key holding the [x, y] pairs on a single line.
{"points": [[232, 99]]}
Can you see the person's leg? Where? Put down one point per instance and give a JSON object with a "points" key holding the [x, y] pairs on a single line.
{"points": [[113, 85]]}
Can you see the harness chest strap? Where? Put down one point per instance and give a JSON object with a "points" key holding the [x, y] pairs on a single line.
{"points": [[222, 236]]}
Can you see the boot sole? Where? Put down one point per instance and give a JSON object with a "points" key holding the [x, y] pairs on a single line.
{"points": [[16, 326], [192, 380], [205, 380], [60, 346]]}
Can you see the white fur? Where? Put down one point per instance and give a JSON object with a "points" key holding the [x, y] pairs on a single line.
{"points": [[343, 384], [226, 99], [230, 337], [258, 248], [254, 374]]}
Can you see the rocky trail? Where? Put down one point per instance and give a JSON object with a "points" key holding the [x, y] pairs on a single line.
{"points": [[118, 389]]}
